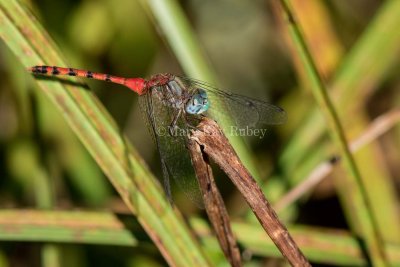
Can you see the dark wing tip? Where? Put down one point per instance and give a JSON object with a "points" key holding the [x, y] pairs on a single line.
{"points": [[281, 116]]}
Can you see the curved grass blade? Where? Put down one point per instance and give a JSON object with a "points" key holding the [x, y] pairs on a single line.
{"points": [[94, 127]]}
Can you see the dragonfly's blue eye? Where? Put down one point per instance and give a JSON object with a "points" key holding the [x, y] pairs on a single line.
{"points": [[198, 103]]}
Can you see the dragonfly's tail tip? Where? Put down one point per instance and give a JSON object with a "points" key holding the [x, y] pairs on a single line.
{"points": [[39, 69], [33, 69]]}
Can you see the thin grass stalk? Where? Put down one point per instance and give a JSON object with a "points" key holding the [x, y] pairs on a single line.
{"points": [[360, 73], [366, 221], [349, 83], [378, 127]]}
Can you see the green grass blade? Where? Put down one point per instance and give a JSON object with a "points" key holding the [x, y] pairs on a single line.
{"points": [[94, 127], [353, 84], [325, 246], [350, 81], [181, 37], [365, 217], [64, 227]]}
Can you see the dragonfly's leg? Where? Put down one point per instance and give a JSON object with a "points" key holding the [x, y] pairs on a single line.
{"points": [[173, 123]]}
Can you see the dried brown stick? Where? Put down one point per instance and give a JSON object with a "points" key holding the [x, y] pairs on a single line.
{"points": [[214, 205], [214, 143]]}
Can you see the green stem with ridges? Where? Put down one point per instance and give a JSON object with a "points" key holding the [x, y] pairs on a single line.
{"points": [[366, 221]]}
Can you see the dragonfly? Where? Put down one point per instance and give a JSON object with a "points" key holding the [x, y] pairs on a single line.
{"points": [[172, 106]]}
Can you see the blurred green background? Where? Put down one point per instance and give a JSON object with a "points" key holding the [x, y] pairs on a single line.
{"points": [[246, 49]]}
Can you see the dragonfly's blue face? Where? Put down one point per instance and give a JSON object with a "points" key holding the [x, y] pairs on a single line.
{"points": [[198, 103]]}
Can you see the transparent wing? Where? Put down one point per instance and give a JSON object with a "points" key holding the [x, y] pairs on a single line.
{"points": [[245, 111], [175, 159]]}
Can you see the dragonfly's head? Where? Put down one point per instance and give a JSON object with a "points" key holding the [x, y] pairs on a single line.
{"points": [[198, 102]]}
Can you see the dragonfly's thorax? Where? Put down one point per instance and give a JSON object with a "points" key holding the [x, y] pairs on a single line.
{"points": [[170, 93], [174, 92], [159, 80]]}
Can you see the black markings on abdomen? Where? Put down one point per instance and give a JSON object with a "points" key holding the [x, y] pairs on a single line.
{"points": [[89, 74], [108, 78], [36, 69], [43, 70], [55, 71], [71, 72]]}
